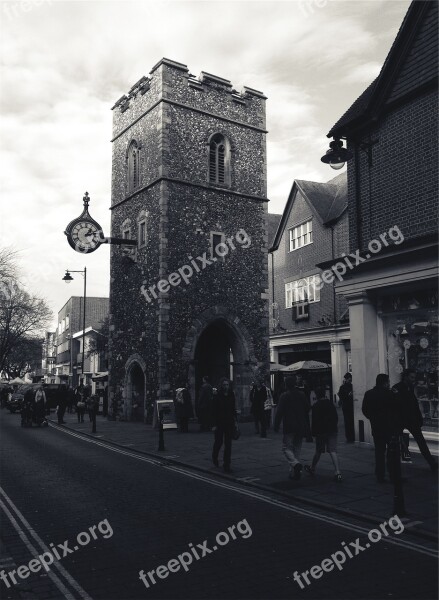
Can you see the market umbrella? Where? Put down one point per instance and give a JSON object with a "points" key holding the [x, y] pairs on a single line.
{"points": [[274, 367], [100, 376], [306, 365], [17, 381]]}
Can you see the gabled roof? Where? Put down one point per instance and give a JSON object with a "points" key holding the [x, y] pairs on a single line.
{"points": [[273, 220], [369, 104], [328, 201]]}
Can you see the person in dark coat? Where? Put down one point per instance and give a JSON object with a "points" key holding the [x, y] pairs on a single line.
{"points": [[183, 408], [81, 398], [258, 397], [70, 399], [205, 405], [324, 429], [411, 416], [293, 409], [224, 416], [378, 404], [346, 396], [63, 394]]}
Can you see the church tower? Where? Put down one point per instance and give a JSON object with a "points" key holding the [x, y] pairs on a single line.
{"points": [[189, 184]]}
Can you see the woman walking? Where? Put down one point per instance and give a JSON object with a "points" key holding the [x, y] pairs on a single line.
{"points": [[224, 411]]}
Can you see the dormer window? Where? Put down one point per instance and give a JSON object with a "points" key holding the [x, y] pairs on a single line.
{"points": [[133, 158], [219, 160]]}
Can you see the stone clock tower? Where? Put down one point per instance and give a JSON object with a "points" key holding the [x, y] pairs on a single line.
{"points": [[189, 184]]}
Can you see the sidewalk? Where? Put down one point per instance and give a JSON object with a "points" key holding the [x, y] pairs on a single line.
{"points": [[259, 462]]}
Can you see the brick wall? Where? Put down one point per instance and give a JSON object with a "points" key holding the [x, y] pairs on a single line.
{"points": [[401, 187]]}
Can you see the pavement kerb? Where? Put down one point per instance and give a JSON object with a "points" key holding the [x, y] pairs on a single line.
{"points": [[307, 501]]}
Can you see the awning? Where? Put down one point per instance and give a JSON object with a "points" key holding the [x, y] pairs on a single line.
{"points": [[100, 376]]}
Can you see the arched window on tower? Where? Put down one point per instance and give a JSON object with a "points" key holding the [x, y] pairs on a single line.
{"points": [[133, 158], [219, 160]]}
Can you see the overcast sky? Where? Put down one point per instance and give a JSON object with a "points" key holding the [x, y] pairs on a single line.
{"points": [[64, 64]]}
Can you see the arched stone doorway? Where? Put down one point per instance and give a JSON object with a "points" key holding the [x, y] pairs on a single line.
{"points": [[135, 389], [219, 345]]}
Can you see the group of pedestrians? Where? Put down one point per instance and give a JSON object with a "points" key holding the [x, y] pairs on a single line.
{"points": [[391, 411]]}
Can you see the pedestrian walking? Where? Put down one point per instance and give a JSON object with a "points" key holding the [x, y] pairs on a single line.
{"points": [[261, 403], [183, 408], [70, 399], [324, 428], [40, 405], [80, 396], [62, 401], [376, 407], [293, 409], [90, 403], [224, 414], [411, 416], [205, 405], [346, 396]]}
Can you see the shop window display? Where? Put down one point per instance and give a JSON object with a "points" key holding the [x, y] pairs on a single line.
{"points": [[411, 332]]}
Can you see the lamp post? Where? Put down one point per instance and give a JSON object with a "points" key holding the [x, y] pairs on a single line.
{"points": [[68, 278]]}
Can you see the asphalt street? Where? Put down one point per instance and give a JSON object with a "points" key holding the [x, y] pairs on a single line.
{"points": [[56, 486]]}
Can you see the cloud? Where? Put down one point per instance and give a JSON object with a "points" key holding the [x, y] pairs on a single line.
{"points": [[65, 63]]}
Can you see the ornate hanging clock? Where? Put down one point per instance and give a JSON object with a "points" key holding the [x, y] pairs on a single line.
{"points": [[84, 234]]}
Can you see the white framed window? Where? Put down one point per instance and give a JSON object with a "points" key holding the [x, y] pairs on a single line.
{"points": [[301, 235], [306, 289], [67, 321]]}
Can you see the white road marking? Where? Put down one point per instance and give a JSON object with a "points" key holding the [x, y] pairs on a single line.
{"points": [[338, 522], [34, 552]]}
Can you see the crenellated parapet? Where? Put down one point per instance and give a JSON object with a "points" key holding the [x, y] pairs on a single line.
{"points": [[171, 82]]}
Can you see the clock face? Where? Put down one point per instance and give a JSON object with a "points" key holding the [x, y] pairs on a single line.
{"points": [[85, 236]]}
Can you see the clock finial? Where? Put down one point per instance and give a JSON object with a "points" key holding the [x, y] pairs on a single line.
{"points": [[86, 200]]}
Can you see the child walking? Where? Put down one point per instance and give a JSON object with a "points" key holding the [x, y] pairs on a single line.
{"points": [[324, 429]]}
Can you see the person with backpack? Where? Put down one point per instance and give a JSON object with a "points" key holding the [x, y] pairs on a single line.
{"points": [[324, 428]]}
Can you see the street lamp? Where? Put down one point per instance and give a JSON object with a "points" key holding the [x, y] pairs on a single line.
{"points": [[336, 156], [68, 278]]}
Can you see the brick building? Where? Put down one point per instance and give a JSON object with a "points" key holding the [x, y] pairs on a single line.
{"points": [[189, 184], [391, 131], [308, 321], [68, 342]]}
